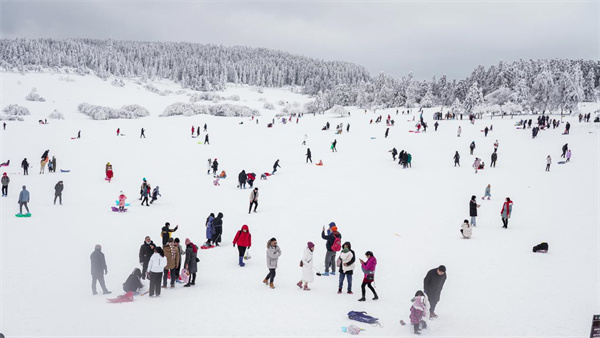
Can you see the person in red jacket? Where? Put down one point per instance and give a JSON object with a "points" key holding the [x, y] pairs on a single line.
{"points": [[243, 239]]}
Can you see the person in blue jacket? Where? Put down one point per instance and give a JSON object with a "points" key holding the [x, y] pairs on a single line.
{"points": [[330, 255]]}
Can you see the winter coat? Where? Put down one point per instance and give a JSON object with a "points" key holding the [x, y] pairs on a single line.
{"points": [[122, 199], [548, 160], [251, 177], [476, 163], [166, 234], [144, 188], [5, 180], [409, 158], [368, 267], [456, 157], [146, 252], [330, 238], [253, 196], [494, 157], [467, 230], [419, 309], [24, 164], [347, 258], [569, 153], [242, 177], [98, 263], [243, 238], [472, 208], [191, 253], [157, 263], [472, 146], [506, 211], [53, 163], [273, 253], [433, 284], [133, 282], [58, 189], [24, 196], [209, 221], [307, 266], [172, 256], [215, 165], [488, 191], [217, 225]]}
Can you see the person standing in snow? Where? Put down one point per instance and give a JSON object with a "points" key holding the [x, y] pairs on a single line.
{"points": [[205, 127], [23, 200], [193, 130], [466, 230], [242, 177], [394, 154], [459, 131], [564, 150], [494, 158], [346, 263], [568, 155], [209, 166], [331, 238], [308, 155], [368, 268], [156, 268], [348, 126], [496, 144], [333, 144], [209, 230], [191, 261], [273, 253], [275, 166], [472, 147], [5, 181], [143, 188], [307, 266], [433, 285], [305, 137], [418, 310], [253, 199], [198, 131], [486, 131], [146, 251], [118, 131], [548, 162], [142, 133], [506, 212], [53, 162], [243, 239], [108, 171], [172, 256], [145, 193], [99, 269], [456, 159], [217, 229], [488, 192], [215, 166], [436, 125], [58, 189], [25, 166], [206, 139], [387, 131], [476, 164], [166, 232], [250, 179], [180, 253], [473, 206]]}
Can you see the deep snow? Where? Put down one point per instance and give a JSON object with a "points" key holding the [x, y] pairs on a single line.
{"points": [[409, 218]]}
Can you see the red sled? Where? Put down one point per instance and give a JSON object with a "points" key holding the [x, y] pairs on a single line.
{"points": [[206, 247], [128, 297]]}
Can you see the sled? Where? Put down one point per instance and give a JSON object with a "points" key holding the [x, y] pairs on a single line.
{"points": [[373, 137], [519, 128], [194, 136], [115, 209], [117, 203], [199, 142], [206, 247], [65, 171], [414, 131], [562, 162], [128, 297], [73, 138], [23, 215], [320, 164]]}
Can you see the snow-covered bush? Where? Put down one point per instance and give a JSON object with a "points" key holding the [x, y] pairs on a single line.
{"points": [[338, 110], [66, 79], [56, 115], [499, 96], [180, 92], [118, 83], [234, 97], [511, 108], [131, 111], [196, 97], [11, 118], [269, 106], [484, 109], [281, 102], [16, 110], [262, 99], [261, 90], [149, 87], [34, 96], [189, 109]]}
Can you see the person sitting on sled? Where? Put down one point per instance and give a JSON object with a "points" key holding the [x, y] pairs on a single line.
{"points": [[122, 199], [133, 282]]}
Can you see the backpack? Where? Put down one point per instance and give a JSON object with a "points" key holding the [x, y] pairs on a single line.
{"points": [[362, 316], [337, 244]]}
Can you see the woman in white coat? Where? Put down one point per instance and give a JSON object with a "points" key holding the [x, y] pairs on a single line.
{"points": [[307, 266], [156, 266], [466, 229]]}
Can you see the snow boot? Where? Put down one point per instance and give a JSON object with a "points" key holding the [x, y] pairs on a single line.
{"points": [[376, 297], [339, 291], [423, 324], [416, 326], [266, 281], [241, 261], [272, 286], [299, 284], [350, 292], [325, 274], [333, 273], [187, 285], [432, 314], [306, 288], [362, 299]]}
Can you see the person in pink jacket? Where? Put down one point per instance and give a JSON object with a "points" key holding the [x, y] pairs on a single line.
{"points": [[122, 199], [368, 268]]}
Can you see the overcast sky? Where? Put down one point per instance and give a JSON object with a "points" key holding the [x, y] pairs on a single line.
{"points": [[426, 37]]}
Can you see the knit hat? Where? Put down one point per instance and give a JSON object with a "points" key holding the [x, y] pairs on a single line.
{"points": [[4, 174], [187, 241], [332, 224], [98, 246], [334, 228], [310, 245], [442, 268]]}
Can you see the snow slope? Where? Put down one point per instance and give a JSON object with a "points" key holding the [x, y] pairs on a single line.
{"points": [[409, 218]]}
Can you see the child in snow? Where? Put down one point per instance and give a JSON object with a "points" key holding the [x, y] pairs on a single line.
{"points": [[488, 192], [122, 199], [209, 166], [155, 194], [466, 229], [307, 266], [476, 164], [216, 181], [568, 155], [418, 310]]}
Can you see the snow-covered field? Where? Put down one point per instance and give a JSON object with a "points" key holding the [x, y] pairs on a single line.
{"points": [[409, 218]]}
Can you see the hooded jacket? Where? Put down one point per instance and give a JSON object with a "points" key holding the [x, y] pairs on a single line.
{"points": [[243, 238], [133, 282], [273, 253], [242, 177], [347, 259], [5, 180], [472, 208], [467, 230], [58, 189], [191, 253], [330, 238], [24, 195], [98, 262]]}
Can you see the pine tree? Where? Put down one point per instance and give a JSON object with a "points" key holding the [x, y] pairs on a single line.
{"points": [[589, 85], [457, 107], [473, 99]]}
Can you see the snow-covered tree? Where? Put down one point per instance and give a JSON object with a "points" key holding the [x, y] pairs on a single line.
{"points": [[427, 101], [457, 107], [474, 98], [589, 85], [16, 110], [34, 96]]}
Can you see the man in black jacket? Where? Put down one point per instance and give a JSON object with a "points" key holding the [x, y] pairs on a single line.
{"points": [[58, 189], [99, 269], [432, 285], [494, 158], [146, 251], [25, 166], [166, 232], [473, 210], [242, 177]]}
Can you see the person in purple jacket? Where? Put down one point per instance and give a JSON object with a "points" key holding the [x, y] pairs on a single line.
{"points": [[368, 268]]}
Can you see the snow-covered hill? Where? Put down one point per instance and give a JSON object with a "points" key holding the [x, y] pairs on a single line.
{"points": [[409, 218]]}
